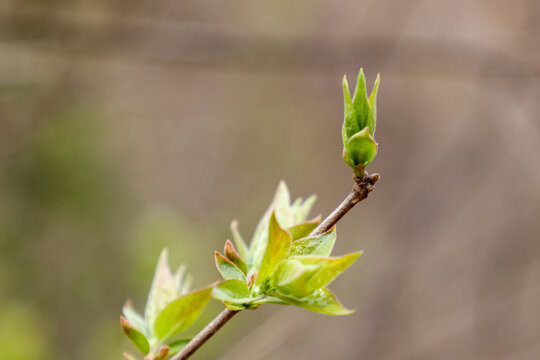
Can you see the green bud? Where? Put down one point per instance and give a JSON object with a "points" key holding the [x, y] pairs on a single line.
{"points": [[362, 148], [359, 146], [135, 335]]}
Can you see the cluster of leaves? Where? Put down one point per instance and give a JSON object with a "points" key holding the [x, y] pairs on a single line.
{"points": [[359, 146], [284, 264], [170, 309]]}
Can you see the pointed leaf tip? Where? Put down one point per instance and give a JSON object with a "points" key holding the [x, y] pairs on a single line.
{"points": [[137, 337], [360, 84], [243, 249], [277, 248], [286, 214], [181, 313], [135, 318], [163, 290], [228, 269], [346, 91], [234, 256], [372, 117]]}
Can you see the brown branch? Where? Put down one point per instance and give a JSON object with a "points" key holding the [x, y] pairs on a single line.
{"points": [[361, 189], [205, 334]]}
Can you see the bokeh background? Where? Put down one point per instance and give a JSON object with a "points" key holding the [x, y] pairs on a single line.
{"points": [[128, 126]]}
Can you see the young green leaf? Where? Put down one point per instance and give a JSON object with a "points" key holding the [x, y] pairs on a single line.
{"points": [[291, 277], [372, 118], [304, 229], [300, 210], [288, 215], [362, 148], [164, 289], [234, 294], [181, 313], [320, 245], [357, 111], [227, 269], [137, 338], [243, 249], [360, 102], [235, 291], [321, 301], [280, 205], [350, 125], [232, 254], [135, 318], [279, 243], [300, 276], [177, 345]]}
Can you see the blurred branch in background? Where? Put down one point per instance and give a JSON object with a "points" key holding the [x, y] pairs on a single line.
{"points": [[172, 43]]}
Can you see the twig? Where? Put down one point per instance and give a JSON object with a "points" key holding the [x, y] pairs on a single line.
{"points": [[205, 334], [361, 189]]}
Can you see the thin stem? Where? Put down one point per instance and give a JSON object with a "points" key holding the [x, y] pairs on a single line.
{"points": [[205, 334], [361, 189]]}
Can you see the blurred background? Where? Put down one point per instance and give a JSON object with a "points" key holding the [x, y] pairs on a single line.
{"points": [[128, 126]]}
